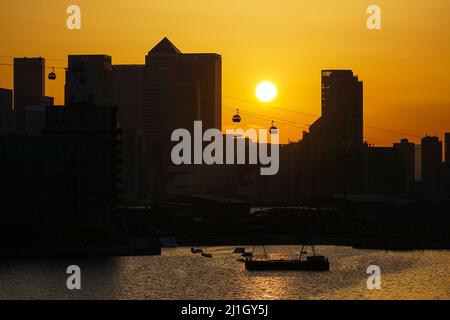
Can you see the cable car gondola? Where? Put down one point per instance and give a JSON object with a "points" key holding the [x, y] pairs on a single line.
{"points": [[52, 75], [273, 129], [237, 118]]}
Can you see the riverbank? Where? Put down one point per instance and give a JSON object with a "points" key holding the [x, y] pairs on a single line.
{"points": [[369, 244]]}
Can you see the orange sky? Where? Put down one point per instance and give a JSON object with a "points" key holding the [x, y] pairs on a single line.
{"points": [[405, 66]]}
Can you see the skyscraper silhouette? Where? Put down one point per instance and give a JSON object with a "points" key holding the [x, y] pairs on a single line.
{"points": [[178, 89], [127, 96], [446, 169], [29, 87], [127, 84], [7, 120], [447, 148], [334, 145], [431, 165], [407, 151], [89, 80], [342, 107]]}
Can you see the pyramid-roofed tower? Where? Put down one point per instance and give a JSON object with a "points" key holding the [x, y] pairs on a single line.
{"points": [[178, 89], [165, 46]]}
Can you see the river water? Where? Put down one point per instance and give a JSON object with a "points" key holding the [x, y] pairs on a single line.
{"points": [[179, 274]]}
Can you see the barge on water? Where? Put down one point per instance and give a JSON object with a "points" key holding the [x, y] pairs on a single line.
{"points": [[301, 263]]}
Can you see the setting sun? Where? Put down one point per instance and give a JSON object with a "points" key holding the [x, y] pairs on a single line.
{"points": [[266, 91]]}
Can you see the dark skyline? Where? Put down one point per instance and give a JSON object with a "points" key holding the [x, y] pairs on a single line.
{"points": [[174, 89]]}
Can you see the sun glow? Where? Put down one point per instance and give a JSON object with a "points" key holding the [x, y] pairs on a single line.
{"points": [[266, 91]]}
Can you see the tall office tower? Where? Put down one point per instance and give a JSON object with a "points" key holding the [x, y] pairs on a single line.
{"points": [[418, 162], [89, 80], [29, 87], [335, 141], [431, 165], [7, 121], [127, 84], [407, 151], [127, 96], [447, 148], [342, 106], [178, 89]]}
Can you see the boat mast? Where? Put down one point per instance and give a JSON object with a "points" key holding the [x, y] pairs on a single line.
{"points": [[265, 252]]}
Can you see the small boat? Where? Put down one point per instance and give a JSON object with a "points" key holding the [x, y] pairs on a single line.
{"points": [[239, 250], [247, 254], [310, 263], [206, 255], [196, 250]]}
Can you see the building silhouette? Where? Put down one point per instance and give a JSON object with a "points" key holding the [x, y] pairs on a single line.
{"points": [[178, 89], [407, 151], [342, 108], [333, 147], [431, 165], [36, 180], [447, 148], [98, 157], [29, 87], [170, 91], [89, 80], [446, 169], [35, 120], [66, 178], [285, 185], [127, 96], [387, 171], [418, 166], [7, 117], [35, 116], [127, 84]]}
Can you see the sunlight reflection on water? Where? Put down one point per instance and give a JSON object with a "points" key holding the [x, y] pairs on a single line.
{"points": [[179, 274]]}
